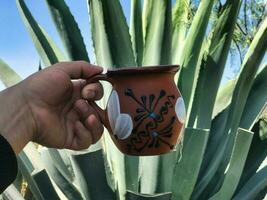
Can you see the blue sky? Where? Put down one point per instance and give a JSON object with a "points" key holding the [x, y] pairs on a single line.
{"points": [[16, 47]]}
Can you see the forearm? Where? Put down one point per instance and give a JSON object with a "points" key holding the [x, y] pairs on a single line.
{"points": [[16, 123]]}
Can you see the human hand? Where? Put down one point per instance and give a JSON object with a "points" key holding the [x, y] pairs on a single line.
{"points": [[48, 108]]}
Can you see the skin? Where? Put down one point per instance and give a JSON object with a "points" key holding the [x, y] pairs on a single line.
{"points": [[52, 108]]}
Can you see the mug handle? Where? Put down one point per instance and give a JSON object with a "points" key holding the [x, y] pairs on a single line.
{"points": [[100, 111]]}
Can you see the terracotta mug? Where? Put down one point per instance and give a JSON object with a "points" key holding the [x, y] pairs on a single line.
{"points": [[145, 111]]}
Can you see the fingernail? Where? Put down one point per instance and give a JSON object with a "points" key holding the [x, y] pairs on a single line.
{"points": [[90, 94], [97, 67]]}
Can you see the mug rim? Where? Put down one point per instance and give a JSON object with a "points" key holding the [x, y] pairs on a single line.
{"points": [[143, 69]]}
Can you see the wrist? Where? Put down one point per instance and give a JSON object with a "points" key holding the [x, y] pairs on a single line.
{"points": [[16, 120]]}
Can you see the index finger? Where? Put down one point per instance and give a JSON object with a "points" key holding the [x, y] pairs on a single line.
{"points": [[79, 69]]}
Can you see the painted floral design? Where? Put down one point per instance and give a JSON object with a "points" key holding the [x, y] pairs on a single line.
{"points": [[150, 112], [120, 123], [180, 110]]}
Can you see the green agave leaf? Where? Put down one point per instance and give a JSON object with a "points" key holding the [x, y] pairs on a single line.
{"points": [[117, 32], [59, 54], [157, 32], [256, 155], [220, 114], [66, 160], [156, 173], [7, 75], [237, 162], [179, 28], [187, 169], [194, 111], [224, 97], [109, 172], [28, 161], [34, 156], [113, 47], [64, 184], [44, 184], [58, 161], [114, 159], [149, 174], [190, 69], [216, 136], [68, 30], [216, 183], [244, 83], [18, 181], [135, 196], [26, 168], [167, 36], [263, 128], [11, 193], [253, 186], [157, 50], [104, 58], [256, 99], [249, 115], [46, 48], [165, 172], [147, 10], [99, 34], [124, 168], [100, 41], [245, 80], [131, 164], [90, 165], [249, 68], [104, 42], [213, 64], [136, 31], [211, 159]]}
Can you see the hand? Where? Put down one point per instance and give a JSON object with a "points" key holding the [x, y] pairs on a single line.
{"points": [[48, 108]]}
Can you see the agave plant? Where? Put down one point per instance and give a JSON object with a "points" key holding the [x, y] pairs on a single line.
{"points": [[223, 149]]}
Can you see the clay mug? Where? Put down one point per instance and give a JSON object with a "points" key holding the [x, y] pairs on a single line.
{"points": [[145, 111]]}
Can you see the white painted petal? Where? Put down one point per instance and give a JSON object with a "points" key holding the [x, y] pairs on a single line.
{"points": [[124, 126], [180, 110], [113, 108]]}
